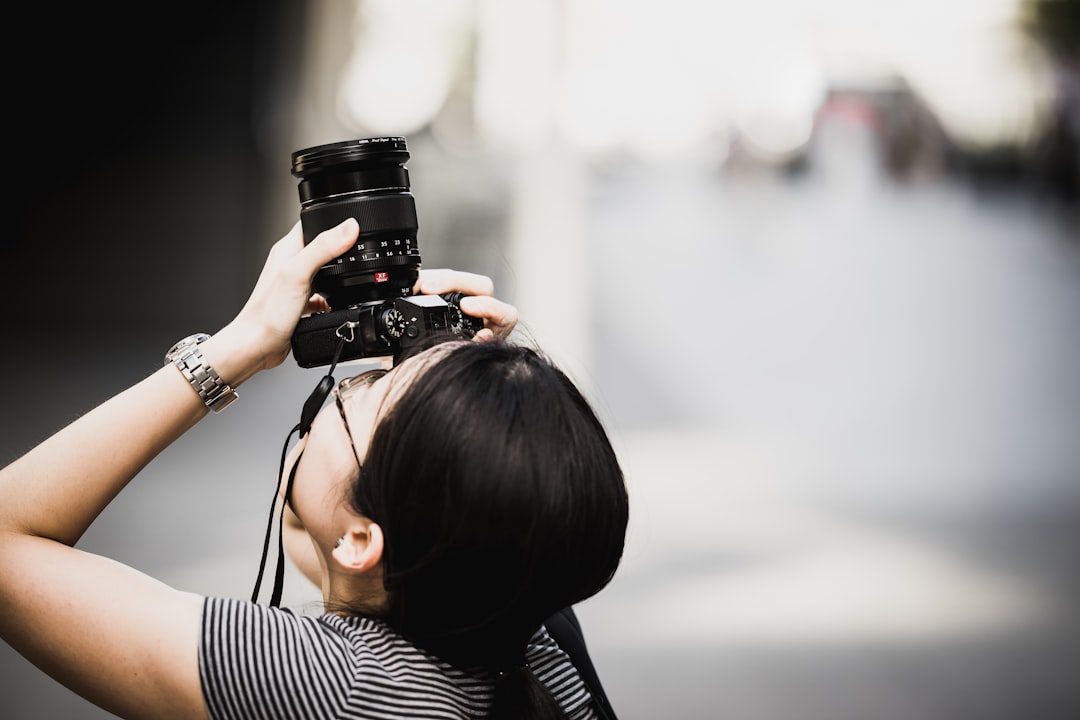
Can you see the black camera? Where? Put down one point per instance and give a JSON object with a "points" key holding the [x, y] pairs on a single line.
{"points": [[373, 311]]}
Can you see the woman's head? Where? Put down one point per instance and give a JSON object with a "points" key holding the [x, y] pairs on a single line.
{"points": [[498, 496]]}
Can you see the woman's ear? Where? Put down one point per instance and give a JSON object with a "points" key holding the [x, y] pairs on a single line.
{"points": [[361, 548]]}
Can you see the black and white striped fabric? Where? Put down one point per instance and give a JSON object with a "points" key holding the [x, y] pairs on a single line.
{"points": [[261, 662]]}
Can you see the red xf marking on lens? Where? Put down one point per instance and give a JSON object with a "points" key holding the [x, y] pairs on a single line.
{"points": [[382, 277]]}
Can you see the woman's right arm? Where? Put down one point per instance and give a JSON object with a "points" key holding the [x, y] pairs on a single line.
{"points": [[117, 637]]}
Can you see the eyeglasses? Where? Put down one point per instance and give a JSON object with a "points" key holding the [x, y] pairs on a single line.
{"points": [[346, 389]]}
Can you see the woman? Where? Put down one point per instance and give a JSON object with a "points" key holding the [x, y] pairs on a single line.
{"points": [[446, 508]]}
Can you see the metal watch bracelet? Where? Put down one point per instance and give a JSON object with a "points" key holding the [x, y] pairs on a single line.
{"points": [[216, 394]]}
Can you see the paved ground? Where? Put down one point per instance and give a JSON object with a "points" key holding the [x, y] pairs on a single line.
{"points": [[849, 415]]}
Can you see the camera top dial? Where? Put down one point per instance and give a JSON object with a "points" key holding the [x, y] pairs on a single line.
{"points": [[393, 322]]}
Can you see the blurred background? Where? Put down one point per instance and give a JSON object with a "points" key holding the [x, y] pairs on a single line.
{"points": [[816, 264]]}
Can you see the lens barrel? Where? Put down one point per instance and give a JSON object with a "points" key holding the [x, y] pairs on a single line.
{"points": [[365, 179]]}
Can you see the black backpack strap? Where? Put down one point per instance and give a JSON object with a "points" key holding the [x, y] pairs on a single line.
{"points": [[565, 628]]}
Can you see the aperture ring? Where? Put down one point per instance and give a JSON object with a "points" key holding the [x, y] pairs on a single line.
{"points": [[349, 265]]}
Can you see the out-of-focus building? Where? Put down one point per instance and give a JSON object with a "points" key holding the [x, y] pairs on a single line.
{"points": [[1054, 25]]}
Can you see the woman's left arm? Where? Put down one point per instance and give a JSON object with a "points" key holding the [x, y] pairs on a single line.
{"points": [[120, 638]]}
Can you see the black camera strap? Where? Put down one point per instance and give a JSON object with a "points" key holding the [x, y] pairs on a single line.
{"points": [[311, 408], [565, 628], [279, 575]]}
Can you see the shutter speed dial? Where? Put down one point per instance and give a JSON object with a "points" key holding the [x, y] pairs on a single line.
{"points": [[457, 319], [393, 322]]}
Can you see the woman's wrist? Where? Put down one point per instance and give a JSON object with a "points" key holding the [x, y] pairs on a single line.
{"points": [[233, 353]]}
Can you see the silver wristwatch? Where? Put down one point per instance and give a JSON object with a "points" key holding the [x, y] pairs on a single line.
{"points": [[188, 359]]}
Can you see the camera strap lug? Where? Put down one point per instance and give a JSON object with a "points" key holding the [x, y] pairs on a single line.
{"points": [[346, 330]]}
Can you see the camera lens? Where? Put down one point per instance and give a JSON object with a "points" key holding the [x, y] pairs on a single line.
{"points": [[365, 179]]}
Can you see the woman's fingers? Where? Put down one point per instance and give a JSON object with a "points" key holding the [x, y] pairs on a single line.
{"points": [[326, 246], [442, 280], [284, 288], [317, 304], [499, 317]]}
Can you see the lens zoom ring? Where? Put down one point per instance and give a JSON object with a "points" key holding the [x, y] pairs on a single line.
{"points": [[375, 213]]}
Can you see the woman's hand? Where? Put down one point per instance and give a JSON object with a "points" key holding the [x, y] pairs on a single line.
{"points": [[259, 337], [499, 317]]}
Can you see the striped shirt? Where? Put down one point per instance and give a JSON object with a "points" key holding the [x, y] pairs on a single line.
{"points": [[261, 662]]}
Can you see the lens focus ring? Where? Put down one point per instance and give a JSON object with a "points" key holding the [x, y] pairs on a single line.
{"points": [[375, 213]]}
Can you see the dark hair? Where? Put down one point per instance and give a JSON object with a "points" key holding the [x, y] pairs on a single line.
{"points": [[501, 501]]}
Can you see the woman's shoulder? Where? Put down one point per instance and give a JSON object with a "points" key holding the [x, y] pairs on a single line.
{"points": [[372, 668], [365, 638]]}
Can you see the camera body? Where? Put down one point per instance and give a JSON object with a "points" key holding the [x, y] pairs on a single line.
{"points": [[369, 288], [380, 328]]}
